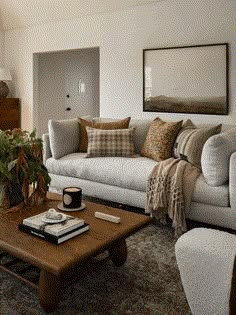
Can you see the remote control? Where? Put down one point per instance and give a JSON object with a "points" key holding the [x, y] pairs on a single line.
{"points": [[107, 217]]}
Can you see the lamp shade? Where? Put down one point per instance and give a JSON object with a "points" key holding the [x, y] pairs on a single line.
{"points": [[5, 74]]}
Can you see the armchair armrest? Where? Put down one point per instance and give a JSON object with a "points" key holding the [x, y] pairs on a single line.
{"points": [[206, 258], [46, 147]]}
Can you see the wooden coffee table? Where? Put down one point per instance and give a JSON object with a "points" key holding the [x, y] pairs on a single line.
{"points": [[58, 264]]}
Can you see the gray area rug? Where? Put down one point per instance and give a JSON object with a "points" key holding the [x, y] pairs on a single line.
{"points": [[147, 284]]}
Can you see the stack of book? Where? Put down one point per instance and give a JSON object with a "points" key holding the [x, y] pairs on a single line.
{"points": [[55, 233]]}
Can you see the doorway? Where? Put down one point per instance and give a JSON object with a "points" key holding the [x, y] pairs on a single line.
{"points": [[66, 85]]}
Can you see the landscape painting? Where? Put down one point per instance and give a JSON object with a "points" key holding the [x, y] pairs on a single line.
{"points": [[191, 79]]}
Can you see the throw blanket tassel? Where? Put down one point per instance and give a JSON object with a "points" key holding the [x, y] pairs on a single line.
{"points": [[176, 211]]}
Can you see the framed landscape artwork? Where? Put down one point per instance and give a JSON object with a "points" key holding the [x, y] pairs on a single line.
{"points": [[190, 79]]}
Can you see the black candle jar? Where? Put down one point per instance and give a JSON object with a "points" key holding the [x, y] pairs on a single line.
{"points": [[72, 197]]}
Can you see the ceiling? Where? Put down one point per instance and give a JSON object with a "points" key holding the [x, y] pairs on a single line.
{"points": [[24, 13]]}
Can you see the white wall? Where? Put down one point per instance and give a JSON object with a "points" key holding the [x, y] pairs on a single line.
{"points": [[51, 90], [1, 42], [121, 37], [1, 48]]}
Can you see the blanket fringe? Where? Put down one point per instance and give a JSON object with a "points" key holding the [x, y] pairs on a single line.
{"points": [[165, 192]]}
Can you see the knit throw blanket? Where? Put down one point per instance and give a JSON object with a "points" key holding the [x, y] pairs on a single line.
{"points": [[169, 191]]}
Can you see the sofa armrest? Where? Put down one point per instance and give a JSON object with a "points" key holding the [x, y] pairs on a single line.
{"points": [[46, 147], [232, 181]]}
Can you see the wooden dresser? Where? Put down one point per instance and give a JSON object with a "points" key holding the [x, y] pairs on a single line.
{"points": [[9, 113]]}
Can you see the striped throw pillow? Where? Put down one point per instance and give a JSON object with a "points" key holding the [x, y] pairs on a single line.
{"points": [[116, 142], [190, 141]]}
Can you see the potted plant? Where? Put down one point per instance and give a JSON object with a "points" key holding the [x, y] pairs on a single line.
{"points": [[21, 166]]}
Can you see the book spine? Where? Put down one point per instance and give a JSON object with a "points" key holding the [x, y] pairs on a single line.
{"points": [[51, 238], [73, 234], [33, 231], [51, 231]]}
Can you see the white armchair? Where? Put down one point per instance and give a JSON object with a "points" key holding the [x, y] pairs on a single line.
{"points": [[206, 261]]}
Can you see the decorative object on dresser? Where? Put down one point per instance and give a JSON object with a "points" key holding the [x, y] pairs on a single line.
{"points": [[4, 76], [9, 113]]}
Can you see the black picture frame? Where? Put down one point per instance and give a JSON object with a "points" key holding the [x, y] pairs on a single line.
{"points": [[186, 79]]}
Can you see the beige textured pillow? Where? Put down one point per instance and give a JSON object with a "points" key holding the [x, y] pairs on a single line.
{"points": [[190, 141], [160, 139], [83, 138], [216, 156], [63, 135], [116, 142]]}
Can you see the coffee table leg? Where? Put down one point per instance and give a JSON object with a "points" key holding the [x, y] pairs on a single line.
{"points": [[118, 252], [50, 287]]}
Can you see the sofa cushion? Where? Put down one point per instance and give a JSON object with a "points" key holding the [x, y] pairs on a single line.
{"points": [[215, 196], [216, 155], [83, 123], [131, 173], [160, 139], [64, 137], [190, 141], [116, 142]]}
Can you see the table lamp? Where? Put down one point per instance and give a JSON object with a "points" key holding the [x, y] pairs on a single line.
{"points": [[4, 76]]}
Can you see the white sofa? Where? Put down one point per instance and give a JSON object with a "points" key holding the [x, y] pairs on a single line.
{"points": [[123, 180]]}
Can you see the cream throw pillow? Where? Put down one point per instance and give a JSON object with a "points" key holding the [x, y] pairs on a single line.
{"points": [[63, 136], [216, 155]]}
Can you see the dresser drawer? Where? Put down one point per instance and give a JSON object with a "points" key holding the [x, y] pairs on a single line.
{"points": [[9, 113], [9, 103], [9, 124]]}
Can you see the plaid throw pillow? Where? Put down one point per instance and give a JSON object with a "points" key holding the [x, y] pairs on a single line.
{"points": [[83, 123], [116, 142]]}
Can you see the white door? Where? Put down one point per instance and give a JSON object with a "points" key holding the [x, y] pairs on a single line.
{"points": [[82, 83]]}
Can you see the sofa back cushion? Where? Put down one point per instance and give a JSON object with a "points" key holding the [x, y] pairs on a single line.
{"points": [[83, 137], [63, 136], [116, 142], [140, 133], [216, 155], [160, 139], [190, 141]]}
